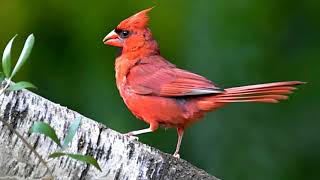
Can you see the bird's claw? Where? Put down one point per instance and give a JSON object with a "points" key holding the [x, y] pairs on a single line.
{"points": [[131, 137], [176, 155], [134, 138]]}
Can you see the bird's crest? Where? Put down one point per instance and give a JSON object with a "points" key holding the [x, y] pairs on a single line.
{"points": [[138, 20]]}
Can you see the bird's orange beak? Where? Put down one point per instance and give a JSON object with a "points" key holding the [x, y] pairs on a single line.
{"points": [[113, 39]]}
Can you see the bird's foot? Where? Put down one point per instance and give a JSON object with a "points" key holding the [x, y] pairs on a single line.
{"points": [[131, 136], [176, 155]]}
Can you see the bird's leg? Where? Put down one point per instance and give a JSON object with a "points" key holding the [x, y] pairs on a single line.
{"points": [[132, 134], [180, 135]]}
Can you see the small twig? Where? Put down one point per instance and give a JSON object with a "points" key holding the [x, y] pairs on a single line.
{"points": [[7, 81], [28, 145]]}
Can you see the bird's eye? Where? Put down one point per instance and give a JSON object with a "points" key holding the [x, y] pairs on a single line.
{"points": [[124, 34]]}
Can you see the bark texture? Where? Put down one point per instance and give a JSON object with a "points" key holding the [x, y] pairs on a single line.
{"points": [[119, 157]]}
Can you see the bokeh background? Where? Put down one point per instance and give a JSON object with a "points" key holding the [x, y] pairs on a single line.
{"points": [[235, 42]]}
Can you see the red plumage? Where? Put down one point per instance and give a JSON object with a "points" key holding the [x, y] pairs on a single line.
{"points": [[159, 93]]}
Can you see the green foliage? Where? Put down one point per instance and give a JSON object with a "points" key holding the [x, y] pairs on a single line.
{"points": [[6, 64], [39, 127], [26, 51], [56, 154], [83, 158], [71, 132], [21, 85], [6, 58], [47, 130]]}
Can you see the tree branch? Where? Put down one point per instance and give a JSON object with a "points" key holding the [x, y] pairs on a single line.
{"points": [[119, 158]]}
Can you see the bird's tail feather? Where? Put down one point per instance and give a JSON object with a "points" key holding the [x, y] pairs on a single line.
{"points": [[267, 93]]}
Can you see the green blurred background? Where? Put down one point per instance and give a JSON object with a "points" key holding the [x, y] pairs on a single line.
{"points": [[235, 42]]}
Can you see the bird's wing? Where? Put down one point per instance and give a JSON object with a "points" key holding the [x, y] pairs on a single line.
{"points": [[150, 79]]}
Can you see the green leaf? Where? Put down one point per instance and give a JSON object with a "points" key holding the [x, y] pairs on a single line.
{"points": [[6, 58], [83, 158], [57, 154], [20, 85], [71, 132], [45, 129], [28, 45]]}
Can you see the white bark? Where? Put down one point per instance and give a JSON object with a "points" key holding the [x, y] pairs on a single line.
{"points": [[118, 157]]}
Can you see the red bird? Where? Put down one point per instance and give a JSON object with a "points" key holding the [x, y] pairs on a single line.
{"points": [[160, 93]]}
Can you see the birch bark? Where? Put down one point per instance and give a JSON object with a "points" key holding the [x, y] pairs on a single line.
{"points": [[118, 157]]}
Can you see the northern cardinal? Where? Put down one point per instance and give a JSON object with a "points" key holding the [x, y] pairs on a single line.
{"points": [[159, 93]]}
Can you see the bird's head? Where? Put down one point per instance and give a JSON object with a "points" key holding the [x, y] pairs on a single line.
{"points": [[132, 33]]}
